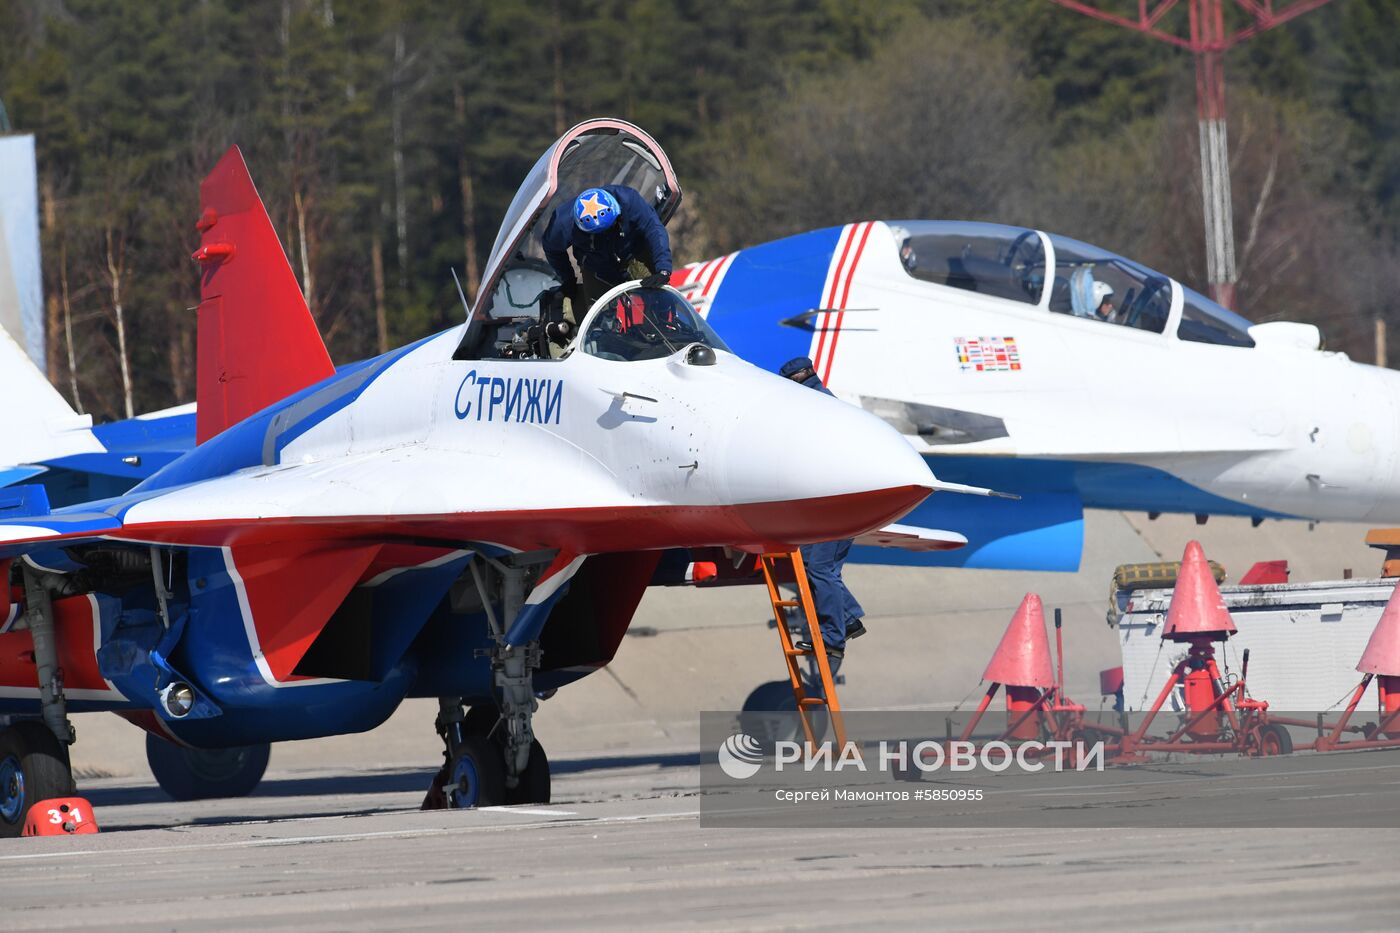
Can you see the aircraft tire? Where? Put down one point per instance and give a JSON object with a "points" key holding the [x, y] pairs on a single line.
{"points": [[33, 767], [534, 783], [205, 774], [534, 786], [757, 718], [476, 775], [481, 720]]}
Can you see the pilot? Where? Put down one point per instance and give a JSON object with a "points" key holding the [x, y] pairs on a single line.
{"points": [[838, 612], [1103, 306], [615, 235], [905, 239]]}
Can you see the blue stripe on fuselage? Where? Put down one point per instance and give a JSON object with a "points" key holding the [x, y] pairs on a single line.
{"points": [[242, 445], [1117, 486], [767, 284], [1044, 530]]}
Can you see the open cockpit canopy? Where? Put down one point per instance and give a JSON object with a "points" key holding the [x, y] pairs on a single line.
{"points": [[592, 154]]}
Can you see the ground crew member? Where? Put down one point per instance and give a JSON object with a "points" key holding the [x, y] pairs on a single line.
{"points": [[615, 235], [838, 613]]}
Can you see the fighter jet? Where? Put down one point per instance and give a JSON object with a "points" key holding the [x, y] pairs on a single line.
{"points": [[473, 517], [1077, 378]]}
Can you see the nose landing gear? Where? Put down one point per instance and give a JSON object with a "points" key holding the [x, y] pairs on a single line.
{"points": [[491, 754]]}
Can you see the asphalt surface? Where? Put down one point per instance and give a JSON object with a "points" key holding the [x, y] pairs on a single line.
{"points": [[333, 840], [622, 846]]}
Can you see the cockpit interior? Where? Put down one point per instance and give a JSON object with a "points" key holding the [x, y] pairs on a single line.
{"points": [[520, 312], [1061, 275]]}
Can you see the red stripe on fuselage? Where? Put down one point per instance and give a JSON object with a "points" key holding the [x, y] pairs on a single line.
{"points": [[76, 632], [719, 268], [850, 234], [584, 531], [845, 296]]}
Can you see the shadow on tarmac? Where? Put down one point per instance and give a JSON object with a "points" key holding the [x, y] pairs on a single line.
{"points": [[394, 781]]}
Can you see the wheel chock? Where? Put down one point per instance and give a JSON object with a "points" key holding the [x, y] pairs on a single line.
{"points": [[60, 816]]}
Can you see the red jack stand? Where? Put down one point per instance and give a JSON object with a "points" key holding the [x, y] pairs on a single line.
{"points": [[60, 816], [1218, 719], [1380, 662], [1021, 664], [1036, 705]]}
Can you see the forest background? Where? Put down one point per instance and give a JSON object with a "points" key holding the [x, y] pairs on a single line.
{"points": [[388, 137]]}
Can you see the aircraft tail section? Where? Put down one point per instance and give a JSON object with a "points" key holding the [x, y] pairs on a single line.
{"points": [[257, 340], [38, 424]]}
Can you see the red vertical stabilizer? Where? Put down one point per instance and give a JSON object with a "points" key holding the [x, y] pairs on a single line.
{"points": [[1023, 657], [257, 341], [1382, 654], [1197, 607]]}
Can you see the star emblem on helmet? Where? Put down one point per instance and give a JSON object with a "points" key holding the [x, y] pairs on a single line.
{"points": [[592, 207]]}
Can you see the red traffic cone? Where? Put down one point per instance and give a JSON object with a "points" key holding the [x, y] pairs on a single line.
{"points": [[1197, 608], [1382, 654], [1023, 657]]}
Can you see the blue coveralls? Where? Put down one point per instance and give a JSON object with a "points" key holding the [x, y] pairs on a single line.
{"points": [[837, 608], [637, 234]]}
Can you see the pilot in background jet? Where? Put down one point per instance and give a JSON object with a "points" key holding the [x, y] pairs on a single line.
{"points": [[838, 612], [616, 236]]}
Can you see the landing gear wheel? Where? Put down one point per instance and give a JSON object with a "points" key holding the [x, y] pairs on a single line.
{"points": [[205, 773], [33, 767], [534, 781], [476, 775], [769, 714], [1275, 740], [485, 721], [481, 720]]}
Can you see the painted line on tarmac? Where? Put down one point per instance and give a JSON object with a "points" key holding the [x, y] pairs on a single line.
{"points": [[340, 837], [523, 811], [1360, 793], [1190, 779]]}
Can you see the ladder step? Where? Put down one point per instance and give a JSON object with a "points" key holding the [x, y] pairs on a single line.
{"points": [[788, 603], [811, 701], [796, 653]]}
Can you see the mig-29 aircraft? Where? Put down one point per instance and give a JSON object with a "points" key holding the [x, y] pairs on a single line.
{"points": [[455, 519]]}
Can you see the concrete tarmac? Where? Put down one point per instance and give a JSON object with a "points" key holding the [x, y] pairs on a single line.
{"points": [[622, 846]]}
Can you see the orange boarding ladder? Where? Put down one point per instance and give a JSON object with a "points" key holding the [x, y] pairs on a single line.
{"points": [[770, 564]]}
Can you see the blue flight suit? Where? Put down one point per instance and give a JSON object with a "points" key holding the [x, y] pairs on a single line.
{"points": [[637, 234], [837, 608]]}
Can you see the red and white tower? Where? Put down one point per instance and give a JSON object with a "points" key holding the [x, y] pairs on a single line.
{"points": [[1208, 41]]}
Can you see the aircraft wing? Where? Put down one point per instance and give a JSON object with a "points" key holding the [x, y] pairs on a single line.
{"points": [[912, 538], [410, 493]]}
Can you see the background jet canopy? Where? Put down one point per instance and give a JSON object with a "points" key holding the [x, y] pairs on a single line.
{"points": [[1009, 263], [592, 154]]}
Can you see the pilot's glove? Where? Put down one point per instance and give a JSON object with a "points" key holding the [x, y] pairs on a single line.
{"points": [[656, 280]]}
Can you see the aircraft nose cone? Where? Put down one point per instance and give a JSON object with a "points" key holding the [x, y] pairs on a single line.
{"points": [[813, 468]]}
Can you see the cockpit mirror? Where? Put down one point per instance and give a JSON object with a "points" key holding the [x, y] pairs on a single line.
{"points": [[1287, 334]]}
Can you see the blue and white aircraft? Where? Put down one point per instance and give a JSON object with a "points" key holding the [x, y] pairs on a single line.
{"points": [[473, 517], [1076, 378]]}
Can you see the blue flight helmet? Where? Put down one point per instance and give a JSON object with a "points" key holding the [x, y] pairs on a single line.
{"points": [[595, 211]]}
